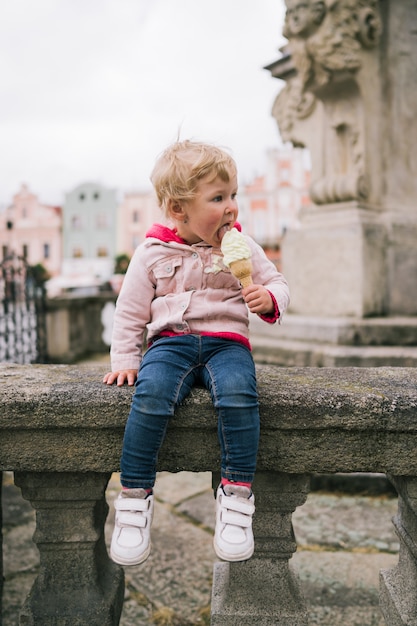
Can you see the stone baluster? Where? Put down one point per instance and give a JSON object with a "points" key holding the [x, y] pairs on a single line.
{"points": [[398, 598], [1, 546], [77, 584], [264, 590]]}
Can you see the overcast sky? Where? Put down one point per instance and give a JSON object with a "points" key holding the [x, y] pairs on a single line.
{"points": [[94, 90]]}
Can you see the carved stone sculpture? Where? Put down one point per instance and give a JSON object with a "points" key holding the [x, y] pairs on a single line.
{"points": [[326, 40], [350, 97]]}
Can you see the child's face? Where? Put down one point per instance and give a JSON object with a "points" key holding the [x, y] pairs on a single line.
{"points": [[213, 211]]}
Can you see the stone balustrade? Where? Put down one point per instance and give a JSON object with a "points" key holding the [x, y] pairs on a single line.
{"points": [[78, 326], [61, 433]]}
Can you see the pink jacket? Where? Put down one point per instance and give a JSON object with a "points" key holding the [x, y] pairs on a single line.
{"points": [[173, 288]]}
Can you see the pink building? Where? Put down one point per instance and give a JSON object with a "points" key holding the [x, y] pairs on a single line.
{"points": [[270, 204], [136, 214], [33, 230]]}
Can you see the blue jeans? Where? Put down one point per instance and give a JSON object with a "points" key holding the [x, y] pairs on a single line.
{"points": [[169, 369]]}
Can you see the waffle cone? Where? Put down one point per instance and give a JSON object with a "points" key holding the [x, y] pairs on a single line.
{"points": [[242, 270]]}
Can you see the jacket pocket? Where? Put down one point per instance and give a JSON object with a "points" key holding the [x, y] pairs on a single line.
{"points": [[166, 275], [167, 267]]}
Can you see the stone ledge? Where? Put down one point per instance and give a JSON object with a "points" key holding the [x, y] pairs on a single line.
{"points": [[61, 433], [393, 331], [62, 418]]}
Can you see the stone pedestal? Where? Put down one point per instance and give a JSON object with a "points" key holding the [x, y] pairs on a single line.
{"points": [[336, 263], [77, 583], [398, 600], [1, 544], [264, 591], [351, 98]]}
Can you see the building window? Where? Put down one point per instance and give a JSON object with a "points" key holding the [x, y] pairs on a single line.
{"points": [[5, 251], [25, 250], [260, 227], [46, 251], [96, 195], [284, 199], [76, 223], [135, 217], [102, 251], [285, 174], [82, 197], [77, 253], [102, 221]]}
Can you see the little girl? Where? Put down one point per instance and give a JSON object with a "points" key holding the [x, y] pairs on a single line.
{"points": [[195, 314]]}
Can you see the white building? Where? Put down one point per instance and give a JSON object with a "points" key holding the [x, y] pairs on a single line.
{"points": [[270, 204], [89, 231]]}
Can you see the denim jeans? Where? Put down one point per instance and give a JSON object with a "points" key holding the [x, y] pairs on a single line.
{"points": [[169, 369]]}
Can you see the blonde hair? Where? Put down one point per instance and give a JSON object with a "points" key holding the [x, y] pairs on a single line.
{"points": [[183, 164]]}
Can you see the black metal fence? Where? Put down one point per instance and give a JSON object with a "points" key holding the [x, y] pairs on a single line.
{"points": [[22, 313]]}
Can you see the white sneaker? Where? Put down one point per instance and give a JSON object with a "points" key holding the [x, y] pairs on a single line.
{"points": [[131, 540], [233, 537]]}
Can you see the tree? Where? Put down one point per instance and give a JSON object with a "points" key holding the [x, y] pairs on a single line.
{"points": [[39, 273], [121, 263]]}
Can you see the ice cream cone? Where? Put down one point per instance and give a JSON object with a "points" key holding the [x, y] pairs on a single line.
{"points": [[242, 270], [236, 255]]}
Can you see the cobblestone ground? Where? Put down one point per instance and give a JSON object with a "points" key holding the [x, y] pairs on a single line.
{"points": [[343, 542]]}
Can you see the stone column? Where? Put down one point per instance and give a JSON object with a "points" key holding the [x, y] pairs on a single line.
{"points": [[264, 591], [77, 584], [1, 544], [398, 598], [351, 98]]}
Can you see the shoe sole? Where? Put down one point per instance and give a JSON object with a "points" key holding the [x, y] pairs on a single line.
{"points": [[232, 558], [127, 562]]}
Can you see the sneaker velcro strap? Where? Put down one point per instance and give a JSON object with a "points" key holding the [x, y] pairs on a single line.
{"points": [[127, 518], [238, 504], [132, 504], [236, 519]]}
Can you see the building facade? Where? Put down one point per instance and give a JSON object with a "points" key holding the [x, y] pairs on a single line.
{"points": [[136, 214], [89, 231], [270, 204], [33, 230], [80, 243]]}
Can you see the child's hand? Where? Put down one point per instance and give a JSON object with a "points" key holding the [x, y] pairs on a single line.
{"points": [[121, 377], [258, 299]]}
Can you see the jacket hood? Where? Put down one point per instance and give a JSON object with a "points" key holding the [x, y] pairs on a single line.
{"points": [[166, 234]]}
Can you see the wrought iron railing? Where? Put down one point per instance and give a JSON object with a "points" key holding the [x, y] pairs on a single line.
{"points": [[22, 313]]}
